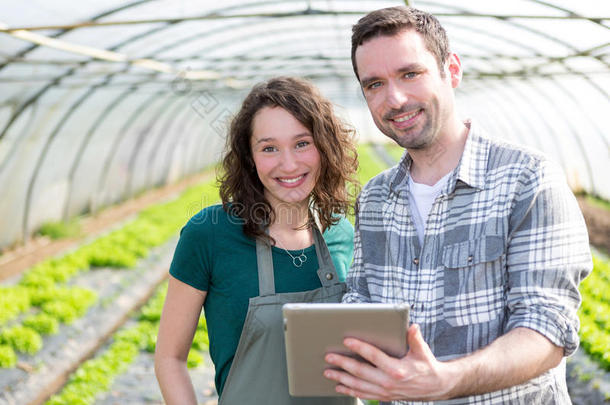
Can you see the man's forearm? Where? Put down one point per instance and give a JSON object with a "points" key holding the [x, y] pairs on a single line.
{"points": [[518, 356]]}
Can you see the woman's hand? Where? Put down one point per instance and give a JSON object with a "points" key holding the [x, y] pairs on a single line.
{"points": [[177, 327]]}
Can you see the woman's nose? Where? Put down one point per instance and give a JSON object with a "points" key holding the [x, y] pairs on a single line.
{"points": [[289, 161]]}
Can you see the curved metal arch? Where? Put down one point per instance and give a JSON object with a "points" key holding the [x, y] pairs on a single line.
{"points": [[54, 82], [568, 125], [583, 111], [504, 113], [543, 56], [555, 82], [62, 32], [128, 189], [251, 51], [538, 33], [103, 179], [193, 142], [85, 143], [574, 131], [200, 146], [48, 142], [156, 141], [50, 139], [575, 136], [197, 117], [570, 12], [27, 103], [133, 158], [523, 98], [225, 41], [166, 158], [216, 44], [18, 142], [576, 73], [43, 154], [567, 122]]}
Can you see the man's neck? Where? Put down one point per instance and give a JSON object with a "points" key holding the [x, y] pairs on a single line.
{"points": [[432, 163]]}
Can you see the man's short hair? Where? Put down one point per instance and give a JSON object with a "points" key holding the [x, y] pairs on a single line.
{"points": [[393, 20]]}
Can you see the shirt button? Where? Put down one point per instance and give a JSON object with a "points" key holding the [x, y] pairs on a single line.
{"points": [[470, 259], [416, 261], [329, 276]]}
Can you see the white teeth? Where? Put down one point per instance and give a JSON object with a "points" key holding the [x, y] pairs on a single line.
{"points": [[293, 180], [407, 117]]}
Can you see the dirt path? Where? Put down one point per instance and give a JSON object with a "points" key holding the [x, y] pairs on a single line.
{"points": [[598, 224], [15, 261]]}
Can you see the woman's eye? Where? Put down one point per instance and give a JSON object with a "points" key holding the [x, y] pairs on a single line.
{"points": [[302, 144], [268, 149]]}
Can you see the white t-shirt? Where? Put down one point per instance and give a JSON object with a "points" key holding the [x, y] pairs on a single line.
{"points": [[421, 198]]}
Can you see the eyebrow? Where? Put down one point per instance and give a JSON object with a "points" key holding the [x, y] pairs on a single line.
{"points": [[270, 139], [407, 68]]}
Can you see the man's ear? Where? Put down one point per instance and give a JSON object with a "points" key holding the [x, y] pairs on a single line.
{"points": [[454, 66]]}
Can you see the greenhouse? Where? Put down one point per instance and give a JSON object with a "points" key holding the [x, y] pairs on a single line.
{"points": [[114, 117]]}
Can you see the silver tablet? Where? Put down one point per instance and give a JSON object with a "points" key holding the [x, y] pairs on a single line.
{"points": [[312, 330]]}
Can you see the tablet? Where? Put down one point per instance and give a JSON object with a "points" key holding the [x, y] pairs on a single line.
{"points": [[312, 330]]}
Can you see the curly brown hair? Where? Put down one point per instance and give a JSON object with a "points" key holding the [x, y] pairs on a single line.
{"points": [[241, 190], [393, 20]]}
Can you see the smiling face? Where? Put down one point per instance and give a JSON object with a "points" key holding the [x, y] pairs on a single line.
{"points": [[410, 99], [286, 158]]}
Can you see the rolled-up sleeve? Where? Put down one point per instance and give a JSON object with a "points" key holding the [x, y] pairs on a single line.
{"points": [[548, 255]]}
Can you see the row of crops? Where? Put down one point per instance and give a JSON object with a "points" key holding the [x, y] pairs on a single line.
{"points": [[95, 376], [594, 313], [43, 299]]}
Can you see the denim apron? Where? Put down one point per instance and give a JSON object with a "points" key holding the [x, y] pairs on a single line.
{"points": [[258, 373]]}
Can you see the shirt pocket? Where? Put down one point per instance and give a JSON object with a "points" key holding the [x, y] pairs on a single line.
{"points": [[474, 281]]}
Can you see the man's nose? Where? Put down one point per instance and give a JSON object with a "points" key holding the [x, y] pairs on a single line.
{"points": [[396, 97]]}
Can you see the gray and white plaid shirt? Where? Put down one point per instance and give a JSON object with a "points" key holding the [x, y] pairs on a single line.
{"points": [[505, 246]]}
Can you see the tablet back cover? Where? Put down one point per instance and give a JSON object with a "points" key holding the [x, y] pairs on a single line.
{"points": [[312, 330]]}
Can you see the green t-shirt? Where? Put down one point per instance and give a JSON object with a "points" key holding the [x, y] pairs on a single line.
{"points": [[214, 255]]}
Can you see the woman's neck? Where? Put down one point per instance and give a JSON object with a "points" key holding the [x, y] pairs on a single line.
{"points": [[289, 228]]}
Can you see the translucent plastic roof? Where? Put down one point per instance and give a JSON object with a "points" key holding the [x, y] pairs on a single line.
{"points": [[97, 98]]}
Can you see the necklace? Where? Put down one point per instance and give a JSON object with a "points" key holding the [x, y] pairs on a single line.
{"points": [[297, 261]]}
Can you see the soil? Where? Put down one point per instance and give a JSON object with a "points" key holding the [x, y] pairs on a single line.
{"points": [[587, 384], [598, 224], [19, 258]]}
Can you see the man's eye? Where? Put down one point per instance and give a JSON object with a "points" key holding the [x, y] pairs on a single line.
{"points": [[411, 75], [374, 85]]}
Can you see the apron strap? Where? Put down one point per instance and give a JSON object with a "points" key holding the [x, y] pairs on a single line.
{"points": [[264, 260], [326, 273], [266, 282]]}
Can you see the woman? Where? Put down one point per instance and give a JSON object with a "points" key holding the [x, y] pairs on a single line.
{"points": [[288, 163]]}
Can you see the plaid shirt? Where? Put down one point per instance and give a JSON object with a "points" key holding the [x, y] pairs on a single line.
{"points": [[505, 246]]}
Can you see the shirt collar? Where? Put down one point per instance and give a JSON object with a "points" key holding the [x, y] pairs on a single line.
{"points": [[472, 167], [470, 170]]}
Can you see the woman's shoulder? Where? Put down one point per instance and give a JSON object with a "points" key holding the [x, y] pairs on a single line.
{"points": [[211, 219], [341, 232]]}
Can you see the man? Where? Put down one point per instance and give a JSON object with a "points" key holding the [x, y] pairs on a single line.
{"points": [[483, 239]]}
